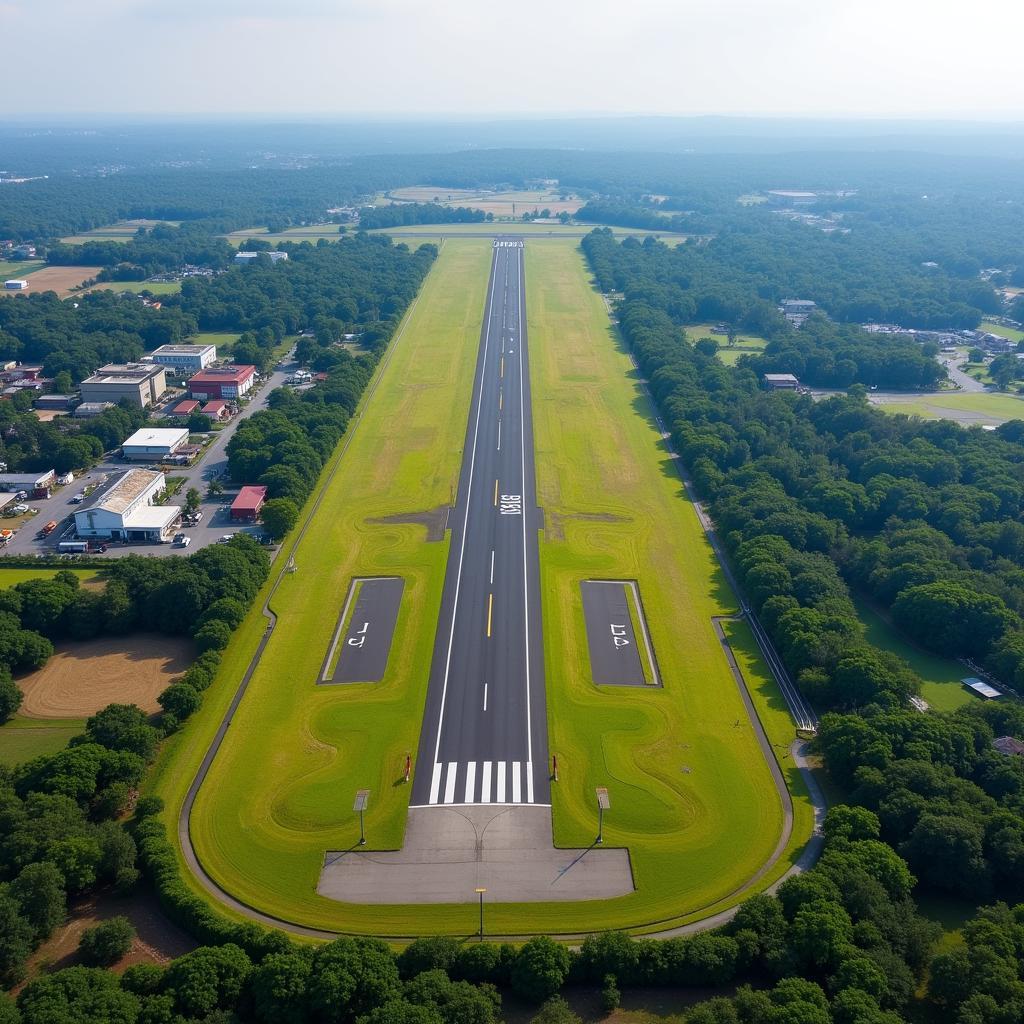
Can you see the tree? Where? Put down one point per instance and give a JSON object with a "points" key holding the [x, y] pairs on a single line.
{"points": [[611, 997], [193, 499], [16, 934], [350, 977], [62, 383], [39, 892], [180, 700], [279, 516], [278, 987], [213, 636], [10, 695], [105, 943], [123, 727], [208, 978], [540, 969], [85, 995], [556, 1011]]}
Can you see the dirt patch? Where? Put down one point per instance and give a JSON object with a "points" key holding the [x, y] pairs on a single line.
{"points": [[554, 522], [81, 679], [61, 280], [157, 940], [435, 521]]}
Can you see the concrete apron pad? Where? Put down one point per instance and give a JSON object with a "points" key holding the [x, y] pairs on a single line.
{"points": [[450, 851]]}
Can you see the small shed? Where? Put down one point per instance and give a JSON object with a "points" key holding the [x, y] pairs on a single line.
{"points": [[246, 507]]}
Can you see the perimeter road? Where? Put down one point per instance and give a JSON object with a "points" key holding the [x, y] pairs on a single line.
{"points": [[484, 737]]}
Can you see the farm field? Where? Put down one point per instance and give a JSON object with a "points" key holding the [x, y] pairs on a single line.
{"points": [[980, 407], [18, 268], [263, 820], [156, 287], [22, 739], [685, 782], [941, 676], [82, 678], [62, 280], [500, 204], [1003, 332], [122, 231]]}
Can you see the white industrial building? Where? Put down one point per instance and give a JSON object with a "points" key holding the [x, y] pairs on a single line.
{"points": [[246, 257], [182, 359], [124, 509], [151, 444], [16, 285]]}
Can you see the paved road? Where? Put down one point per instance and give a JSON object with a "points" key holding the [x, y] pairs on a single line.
{"points": [[484, 737]]}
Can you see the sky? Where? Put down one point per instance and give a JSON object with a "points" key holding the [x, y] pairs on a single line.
{"points": [[886, 58]]}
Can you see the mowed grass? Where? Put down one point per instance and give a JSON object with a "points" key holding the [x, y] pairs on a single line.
{"points": [[17, 269], [281, 789], [941, 677], [975, 407], [12, 577], [531, 231], [691, 794], [22, 739], [156, 287], [1004, 332], [746, 344]]}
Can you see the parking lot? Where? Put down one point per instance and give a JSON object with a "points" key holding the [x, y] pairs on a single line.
{"points": [[216, 516]]}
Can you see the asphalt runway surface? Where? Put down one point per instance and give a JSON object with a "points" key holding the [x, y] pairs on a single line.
{"points": [[366, 640], [611, 639], [484, 736]]}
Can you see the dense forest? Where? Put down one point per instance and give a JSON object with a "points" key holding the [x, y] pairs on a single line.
{"points": [[397, 214]]}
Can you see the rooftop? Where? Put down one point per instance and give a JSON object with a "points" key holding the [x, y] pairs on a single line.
{"points": [[182, 350], [120, 491], [150, 437], [221, 373], [124, 373]]}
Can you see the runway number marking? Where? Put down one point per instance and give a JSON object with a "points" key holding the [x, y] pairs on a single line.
{"points": [[511, 505], [619, 636]]}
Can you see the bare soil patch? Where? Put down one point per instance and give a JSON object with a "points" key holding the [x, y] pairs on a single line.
{"points": [[157, 940], [62, 280], [81, 679]]}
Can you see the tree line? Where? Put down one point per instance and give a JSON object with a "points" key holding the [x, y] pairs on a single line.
{"points": [[399, 214]]}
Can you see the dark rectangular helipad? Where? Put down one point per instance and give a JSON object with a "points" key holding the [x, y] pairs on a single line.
{"points": [[363, 642], [614, 654]]}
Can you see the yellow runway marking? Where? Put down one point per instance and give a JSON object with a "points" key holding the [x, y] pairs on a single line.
{"points": [[495, 492], [490, 609], [500, 402]]}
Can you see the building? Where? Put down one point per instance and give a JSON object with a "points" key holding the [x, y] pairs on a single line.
{"points": [[183, 359], [247, 505], [217, 409], [56, 403], [124, 508], [38, 485], [87, 409], [15, 285], [246, 258], [781, 382], [982, 689], [796, 311], [1009, 745], [222, 382], [150, 444], [185, 408], [17, 372], [139, 383], [791, 197]]}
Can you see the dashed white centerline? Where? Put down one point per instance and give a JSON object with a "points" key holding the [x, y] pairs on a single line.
{"points": [[492, 566], [485, 696], [499, 435]]}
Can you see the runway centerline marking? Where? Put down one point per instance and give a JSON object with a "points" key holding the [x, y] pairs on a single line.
{"points": [[499, 434], [485, 696], [495, 492], [492, 565], [490, 610], [522, 469]]}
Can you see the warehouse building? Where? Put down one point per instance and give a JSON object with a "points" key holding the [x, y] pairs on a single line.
{"points": [[781, 382], [124, 509], [141, 384], [16, 285], [247, 257], [37, 485], [247, 505], [222, 382], [183, 359], [151, 444]]}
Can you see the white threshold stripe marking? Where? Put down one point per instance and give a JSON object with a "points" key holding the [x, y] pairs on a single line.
{"points": [[500, 795], [529, 782], [517, 790], [485, 784], [435, 783], [449, 782], [493, 803], [470, 781]]}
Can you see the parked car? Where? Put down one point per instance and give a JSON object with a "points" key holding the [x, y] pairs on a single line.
{"points": [[77, 499], [225, 538], [19, 510], [182, 540], [21, 495]]}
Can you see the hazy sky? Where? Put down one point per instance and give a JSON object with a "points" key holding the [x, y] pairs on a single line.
{"points": [[350, 57]]}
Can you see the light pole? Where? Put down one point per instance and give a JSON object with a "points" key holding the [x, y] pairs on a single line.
{"points": [[603, 804], [362, 796], [480, 892]]}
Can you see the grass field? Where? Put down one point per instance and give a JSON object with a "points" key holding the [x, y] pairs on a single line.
{"points": [[980, 407], [272, 806], [745, 343], [691, 795], [501, 204], [12, 577], [941, 676], [532, 231], [305, 233], [156, 287], [1003, 332], [16, 269], [122, 231], [22, 738], [62, 280]]}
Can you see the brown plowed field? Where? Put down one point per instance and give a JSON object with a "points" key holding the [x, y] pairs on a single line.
{"points": [[81, 679]]}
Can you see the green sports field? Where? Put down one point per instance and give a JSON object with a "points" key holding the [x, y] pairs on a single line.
{"points": [[976, 407], [280, 791], [1004, 332]]}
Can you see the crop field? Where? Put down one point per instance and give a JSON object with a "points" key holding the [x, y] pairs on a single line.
{"points": [[262, 822], [691, 794], [18, 268], [122, 231], [62, 280], [940, 676], [82, 678], [501, 204], [156, 287], [978, 407]]}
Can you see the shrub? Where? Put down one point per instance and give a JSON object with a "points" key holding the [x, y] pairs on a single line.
{"points": [[105, 943]]}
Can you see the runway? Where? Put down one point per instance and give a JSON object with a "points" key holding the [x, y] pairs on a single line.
{"points": [[484, 736]]}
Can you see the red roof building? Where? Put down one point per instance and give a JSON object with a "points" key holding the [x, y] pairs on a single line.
{"points": [[185, 408], [248, 503], [222, 382], [217, 408]]}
